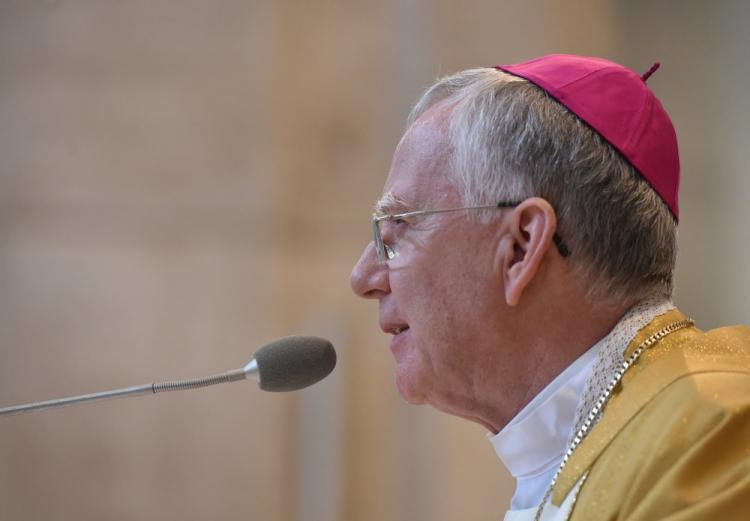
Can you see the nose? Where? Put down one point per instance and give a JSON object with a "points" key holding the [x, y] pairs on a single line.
{"points": [[369, 278]]}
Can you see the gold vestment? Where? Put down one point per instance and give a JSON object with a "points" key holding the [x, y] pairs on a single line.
{"points": [[674, 440]]}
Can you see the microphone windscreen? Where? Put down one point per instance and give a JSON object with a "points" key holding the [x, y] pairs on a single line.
{"points": [[294, 362]]}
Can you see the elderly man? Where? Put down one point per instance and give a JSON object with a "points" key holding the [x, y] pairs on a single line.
{"points": [[522, 259]]}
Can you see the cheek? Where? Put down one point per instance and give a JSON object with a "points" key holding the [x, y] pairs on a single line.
{"points": [[450, 302], [434, 312], [424, 293]]}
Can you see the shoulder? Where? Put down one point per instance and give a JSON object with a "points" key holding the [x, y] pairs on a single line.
{"points": [[706, 372], [685, 447]]}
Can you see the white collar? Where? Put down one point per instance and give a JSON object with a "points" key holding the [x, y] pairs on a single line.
{"points": [[532, 445]]}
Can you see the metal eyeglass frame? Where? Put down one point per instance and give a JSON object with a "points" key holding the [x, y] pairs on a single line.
{"points": [[386, 253]]}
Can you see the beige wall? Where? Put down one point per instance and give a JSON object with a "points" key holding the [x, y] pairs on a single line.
{"points": [[183, 180]]}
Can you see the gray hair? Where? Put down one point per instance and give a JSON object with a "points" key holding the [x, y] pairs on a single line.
{"points": [[511, 141]]}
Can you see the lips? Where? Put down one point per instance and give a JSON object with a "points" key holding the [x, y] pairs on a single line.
{"points": [[394, 329]]}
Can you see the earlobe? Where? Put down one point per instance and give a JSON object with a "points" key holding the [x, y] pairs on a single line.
{"points": [[531, 229]]}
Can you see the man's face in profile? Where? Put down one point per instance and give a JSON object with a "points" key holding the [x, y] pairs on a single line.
{"points": [[439, 296]]}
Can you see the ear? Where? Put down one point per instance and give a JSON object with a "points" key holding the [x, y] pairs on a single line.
{"points": [[531, 229]]}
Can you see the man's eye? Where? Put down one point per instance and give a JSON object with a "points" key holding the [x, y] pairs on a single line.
{"points": [[394, 228]]}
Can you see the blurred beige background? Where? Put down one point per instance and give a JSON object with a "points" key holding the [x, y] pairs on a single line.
{"points": [[182, 181]]}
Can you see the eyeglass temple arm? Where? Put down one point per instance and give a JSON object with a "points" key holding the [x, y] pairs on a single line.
{"points": [[561, 246]]}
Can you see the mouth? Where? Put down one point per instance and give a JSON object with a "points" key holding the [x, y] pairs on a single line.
{"points": [[399, 340], [394, 329]]}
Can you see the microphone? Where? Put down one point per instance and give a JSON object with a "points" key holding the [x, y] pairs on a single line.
{"points": [[286, 364]]}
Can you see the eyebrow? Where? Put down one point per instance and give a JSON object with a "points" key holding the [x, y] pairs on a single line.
{"points": [[389, 204]]}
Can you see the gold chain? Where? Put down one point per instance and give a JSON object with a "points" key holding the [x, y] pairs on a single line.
{"points": [[604, 398]]}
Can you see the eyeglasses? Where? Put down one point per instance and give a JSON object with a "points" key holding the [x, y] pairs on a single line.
{"points": [[386, 252]]}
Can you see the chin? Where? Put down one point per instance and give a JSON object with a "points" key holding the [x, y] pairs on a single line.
{"points": [[410, 388]]}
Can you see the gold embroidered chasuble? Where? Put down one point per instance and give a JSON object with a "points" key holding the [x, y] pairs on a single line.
{"points": [[674, 440]]}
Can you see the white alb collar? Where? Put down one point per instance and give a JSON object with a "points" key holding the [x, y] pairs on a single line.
{"points": [[532, 441]]}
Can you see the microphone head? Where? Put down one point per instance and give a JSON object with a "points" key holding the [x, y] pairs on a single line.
{"points": [[294, 362]]}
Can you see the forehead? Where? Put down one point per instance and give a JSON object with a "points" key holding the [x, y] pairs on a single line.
{"points": [[420, 175]]}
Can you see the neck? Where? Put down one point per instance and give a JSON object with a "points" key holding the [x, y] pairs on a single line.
{"points": [[554, 333], [558, 343]]}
